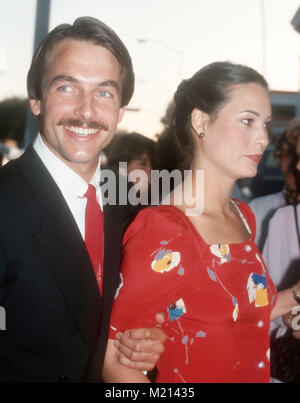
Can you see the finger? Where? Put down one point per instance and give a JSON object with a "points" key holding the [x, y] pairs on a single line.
{"points": [[288, 318], [296, 334], [160, 319], [139, 345], [134, 356], [141, 366], [154, 334]]}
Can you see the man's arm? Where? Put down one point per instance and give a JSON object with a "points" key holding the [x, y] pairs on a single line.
{"points": [[140, 349]]}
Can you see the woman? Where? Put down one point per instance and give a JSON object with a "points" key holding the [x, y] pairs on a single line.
{"points": [[204, 271]]}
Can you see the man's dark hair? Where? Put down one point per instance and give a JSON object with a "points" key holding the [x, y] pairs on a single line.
{"points": [[83, 29]]}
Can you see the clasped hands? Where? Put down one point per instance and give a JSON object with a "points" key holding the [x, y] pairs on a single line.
{"points": [[141, 348]]}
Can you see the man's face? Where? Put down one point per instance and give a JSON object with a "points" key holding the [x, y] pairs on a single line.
{"points": [[80, 106]]}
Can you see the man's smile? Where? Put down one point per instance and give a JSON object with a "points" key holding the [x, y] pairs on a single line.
{"points": [[80, 131]]}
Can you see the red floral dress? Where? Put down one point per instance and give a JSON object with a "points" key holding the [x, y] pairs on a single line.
{"points": [[217, 299]]}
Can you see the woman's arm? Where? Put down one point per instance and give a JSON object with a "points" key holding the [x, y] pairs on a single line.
{"points": [[285, 302], [114, 372]]}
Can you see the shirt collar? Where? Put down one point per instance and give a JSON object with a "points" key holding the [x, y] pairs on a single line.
{"points": [[69, 182]]}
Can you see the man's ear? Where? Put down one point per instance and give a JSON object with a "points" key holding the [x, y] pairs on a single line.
{"points": [[35, 105], [199, 120], [121, 114]]}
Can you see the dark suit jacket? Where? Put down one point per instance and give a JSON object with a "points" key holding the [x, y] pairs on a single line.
{"points": [[56, 321]]}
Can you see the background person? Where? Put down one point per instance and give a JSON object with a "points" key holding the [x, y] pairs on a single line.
{"points": [[135, 149], [264, 207], [281, 250], [204, 270], [282, 255]]}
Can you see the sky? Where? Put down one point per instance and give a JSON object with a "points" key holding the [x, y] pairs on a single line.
{"points": [[179, 37]]}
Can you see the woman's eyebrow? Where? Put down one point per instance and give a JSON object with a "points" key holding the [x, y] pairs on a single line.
{"points": [[251, 111], [255, 113]]}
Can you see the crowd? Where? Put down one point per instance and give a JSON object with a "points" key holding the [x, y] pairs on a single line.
{"points": [[189, 290]]}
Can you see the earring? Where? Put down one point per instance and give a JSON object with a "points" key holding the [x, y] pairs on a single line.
{"points": [[201, 135]]}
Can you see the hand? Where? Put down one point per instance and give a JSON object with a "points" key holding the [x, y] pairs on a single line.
{"points": [[141, 348], [296, 334], [298, 287], [288, 320]]}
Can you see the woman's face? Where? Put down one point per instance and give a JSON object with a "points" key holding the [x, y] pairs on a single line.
{"points": [[236, 139]]}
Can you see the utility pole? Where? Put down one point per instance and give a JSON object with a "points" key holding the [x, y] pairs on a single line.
{"points": [[263, 37], [41, 30]]}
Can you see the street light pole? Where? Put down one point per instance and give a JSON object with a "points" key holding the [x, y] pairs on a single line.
{"points": [[41, 30], [264, 37]]}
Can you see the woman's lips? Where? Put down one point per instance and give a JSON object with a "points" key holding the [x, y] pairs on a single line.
{"points": [[255, 157]]}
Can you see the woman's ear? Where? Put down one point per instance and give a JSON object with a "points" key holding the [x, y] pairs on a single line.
{"points": [[199, 120]]}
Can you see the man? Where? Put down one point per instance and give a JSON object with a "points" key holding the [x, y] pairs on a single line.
{"points": [[57, 309]]}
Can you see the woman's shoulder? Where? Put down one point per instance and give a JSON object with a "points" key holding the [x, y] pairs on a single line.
{"points": [[157, 220]]}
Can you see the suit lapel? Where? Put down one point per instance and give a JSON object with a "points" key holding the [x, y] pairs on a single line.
{"points": [[59, 244]]}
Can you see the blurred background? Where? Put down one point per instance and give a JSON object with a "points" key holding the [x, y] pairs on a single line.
{"points": [[168, 40]]}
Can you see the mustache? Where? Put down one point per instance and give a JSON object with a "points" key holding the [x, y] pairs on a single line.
{"points": [[80, 123]]}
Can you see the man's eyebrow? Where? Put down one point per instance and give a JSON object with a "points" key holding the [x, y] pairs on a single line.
{"points": [[63, 78], [109, 83], [70, 79]]}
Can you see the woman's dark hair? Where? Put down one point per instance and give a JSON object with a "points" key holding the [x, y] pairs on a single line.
{"points": [[83, 29], [127, 147], [207, 90], [282, 143], [293, 130]]}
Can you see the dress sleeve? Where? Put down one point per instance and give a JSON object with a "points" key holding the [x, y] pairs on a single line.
{"points": [[155, 248]]}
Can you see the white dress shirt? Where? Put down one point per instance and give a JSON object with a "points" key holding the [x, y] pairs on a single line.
{"points": [[71, 185]]}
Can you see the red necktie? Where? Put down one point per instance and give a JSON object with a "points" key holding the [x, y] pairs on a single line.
{"points": [[94, 233]]}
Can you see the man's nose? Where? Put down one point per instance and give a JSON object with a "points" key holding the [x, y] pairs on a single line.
{"points": [[86, 107], [298, 164]]}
